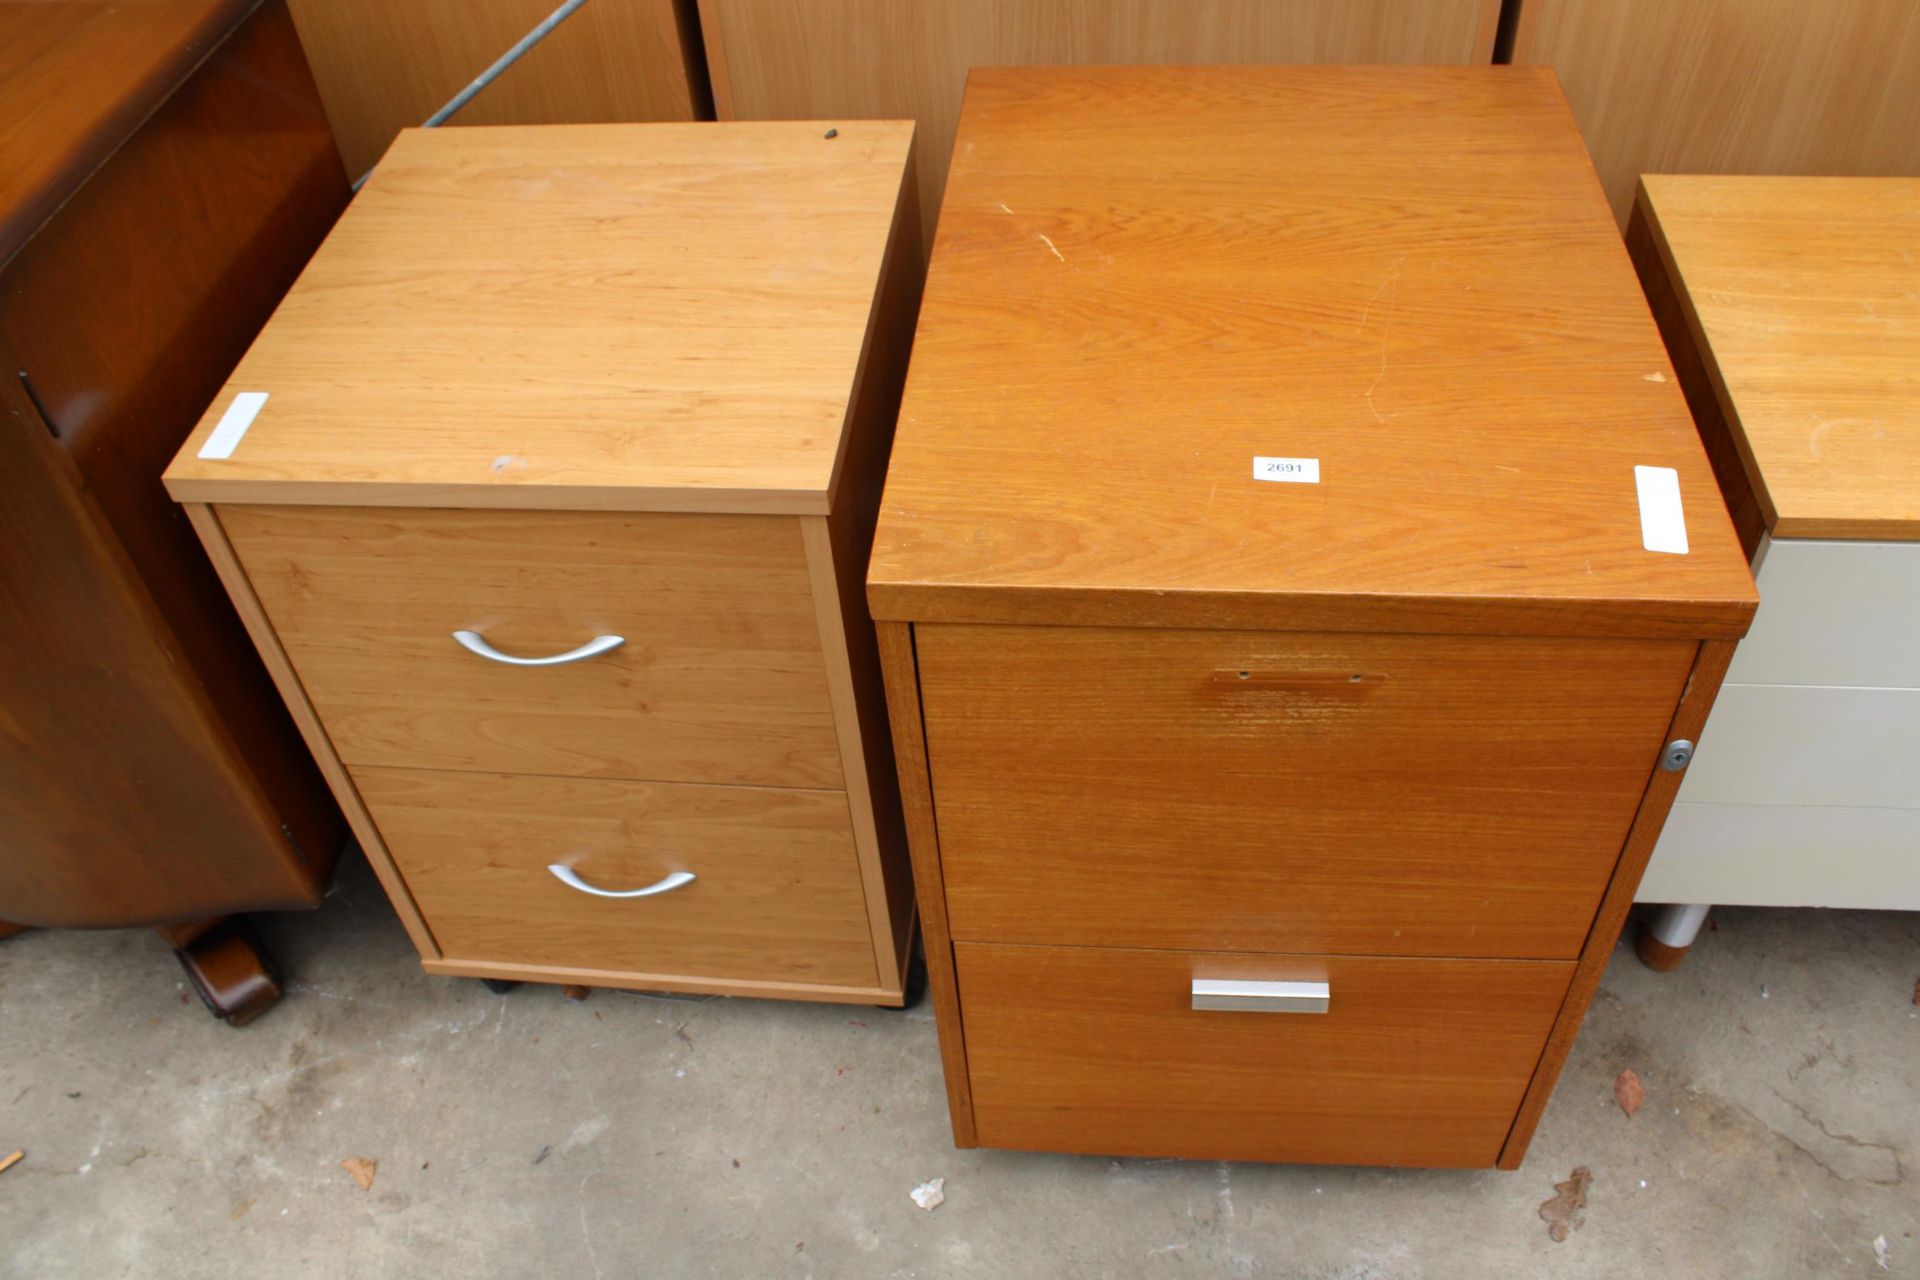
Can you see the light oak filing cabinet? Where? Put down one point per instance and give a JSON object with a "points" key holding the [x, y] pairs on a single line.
{"points": [[550, 526], [1792, 309], [1281, 652]]}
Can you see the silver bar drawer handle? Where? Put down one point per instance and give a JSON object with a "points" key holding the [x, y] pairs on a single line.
{"points": [[570, 878], [1261, 997], [473, 642]]}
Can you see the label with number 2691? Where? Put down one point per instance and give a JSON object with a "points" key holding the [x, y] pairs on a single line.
{"points": [[1287, 470]]}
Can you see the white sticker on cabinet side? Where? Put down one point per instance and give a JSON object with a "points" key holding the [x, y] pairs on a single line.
{"points": [[233, 425], [1663, 522]]}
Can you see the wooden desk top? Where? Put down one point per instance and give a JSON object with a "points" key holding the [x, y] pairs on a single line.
{"points": [[1146, 278], [1804, 297], [614, 317], [76, 79]]}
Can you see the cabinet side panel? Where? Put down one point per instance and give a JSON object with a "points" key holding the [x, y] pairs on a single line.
{"points": [[1709, 669], [122, 799], [1699, 380], [838, 549], [383, 68], [1711, 86], [206, 523], [127, 311], [884, 59], [923, 838]]}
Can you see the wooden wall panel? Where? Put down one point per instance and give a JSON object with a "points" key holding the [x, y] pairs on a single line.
{"points": [[386, 67], [908, 59], [1733, 86]]}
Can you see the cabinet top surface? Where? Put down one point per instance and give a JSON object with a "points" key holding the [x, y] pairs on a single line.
{"points": [[1807, 293], [617, 317], [1147, 280]]}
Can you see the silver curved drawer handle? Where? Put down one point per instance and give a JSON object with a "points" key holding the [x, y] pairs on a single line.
{"points": [[474, 642], [570, 878]]}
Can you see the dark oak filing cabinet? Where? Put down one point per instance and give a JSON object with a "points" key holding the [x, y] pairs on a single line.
{"points": [[167, 170], [1295, 561]]}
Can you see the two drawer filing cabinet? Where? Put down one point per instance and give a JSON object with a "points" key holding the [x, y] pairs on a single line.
{"points": [[1791, 307], [1295, 560], [549, 518]]}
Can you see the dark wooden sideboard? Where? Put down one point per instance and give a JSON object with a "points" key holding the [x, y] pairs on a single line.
{"points": [[167, 172]]}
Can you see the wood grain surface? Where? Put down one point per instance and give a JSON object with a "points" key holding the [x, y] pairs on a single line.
{"points": [[776, 893], [1691, 368], [387, 67], [650, 316], [161, 779], [1145, 278], [76, 79], [1689, 718], [1733, 86], [838, 547], [1385, 795], [273, 655], [1804, 297], [693, 984], [1415, 1062], [923, 836], [720, 679], [829, 59], [123, 798]]}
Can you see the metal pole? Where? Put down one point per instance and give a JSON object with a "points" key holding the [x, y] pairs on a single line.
{"points": [[492, 73]]}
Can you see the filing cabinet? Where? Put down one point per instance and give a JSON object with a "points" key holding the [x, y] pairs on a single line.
{"points": [[1789, 305], [1295, 558], [546, 496]]}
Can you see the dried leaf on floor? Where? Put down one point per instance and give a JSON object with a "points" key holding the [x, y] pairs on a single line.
{"points": [[1562, 1213], [362, 1170], [1628, 1091], [7, 1162], [930, 1195]]}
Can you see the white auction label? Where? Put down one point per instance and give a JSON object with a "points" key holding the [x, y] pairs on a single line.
{"points": [[232, 427], [1663, 521], [1287, 470]]}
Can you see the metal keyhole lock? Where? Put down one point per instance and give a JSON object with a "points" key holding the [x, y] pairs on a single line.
{"points": [[1676, 756]]}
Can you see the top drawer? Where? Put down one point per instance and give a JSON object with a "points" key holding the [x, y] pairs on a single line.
{"points": [[1248, 791], [719, 677], [1834, 613]]}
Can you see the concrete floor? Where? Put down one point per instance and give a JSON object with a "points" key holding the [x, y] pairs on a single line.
{"points": [[639, 1136]]}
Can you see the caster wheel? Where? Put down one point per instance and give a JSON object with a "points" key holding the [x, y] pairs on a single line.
{"points": [[233, 978], [499, 986]]}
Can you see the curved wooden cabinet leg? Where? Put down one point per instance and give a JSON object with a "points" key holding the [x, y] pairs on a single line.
{"points": [[8, 928], [236, 980], [1667, 935]]}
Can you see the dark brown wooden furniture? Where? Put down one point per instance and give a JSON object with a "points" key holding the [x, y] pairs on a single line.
{"points": [[167, 171]]}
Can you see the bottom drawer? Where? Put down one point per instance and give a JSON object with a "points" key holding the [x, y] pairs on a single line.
{"points": [[1777, 855], [776, 892], [1414, 1062]]}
